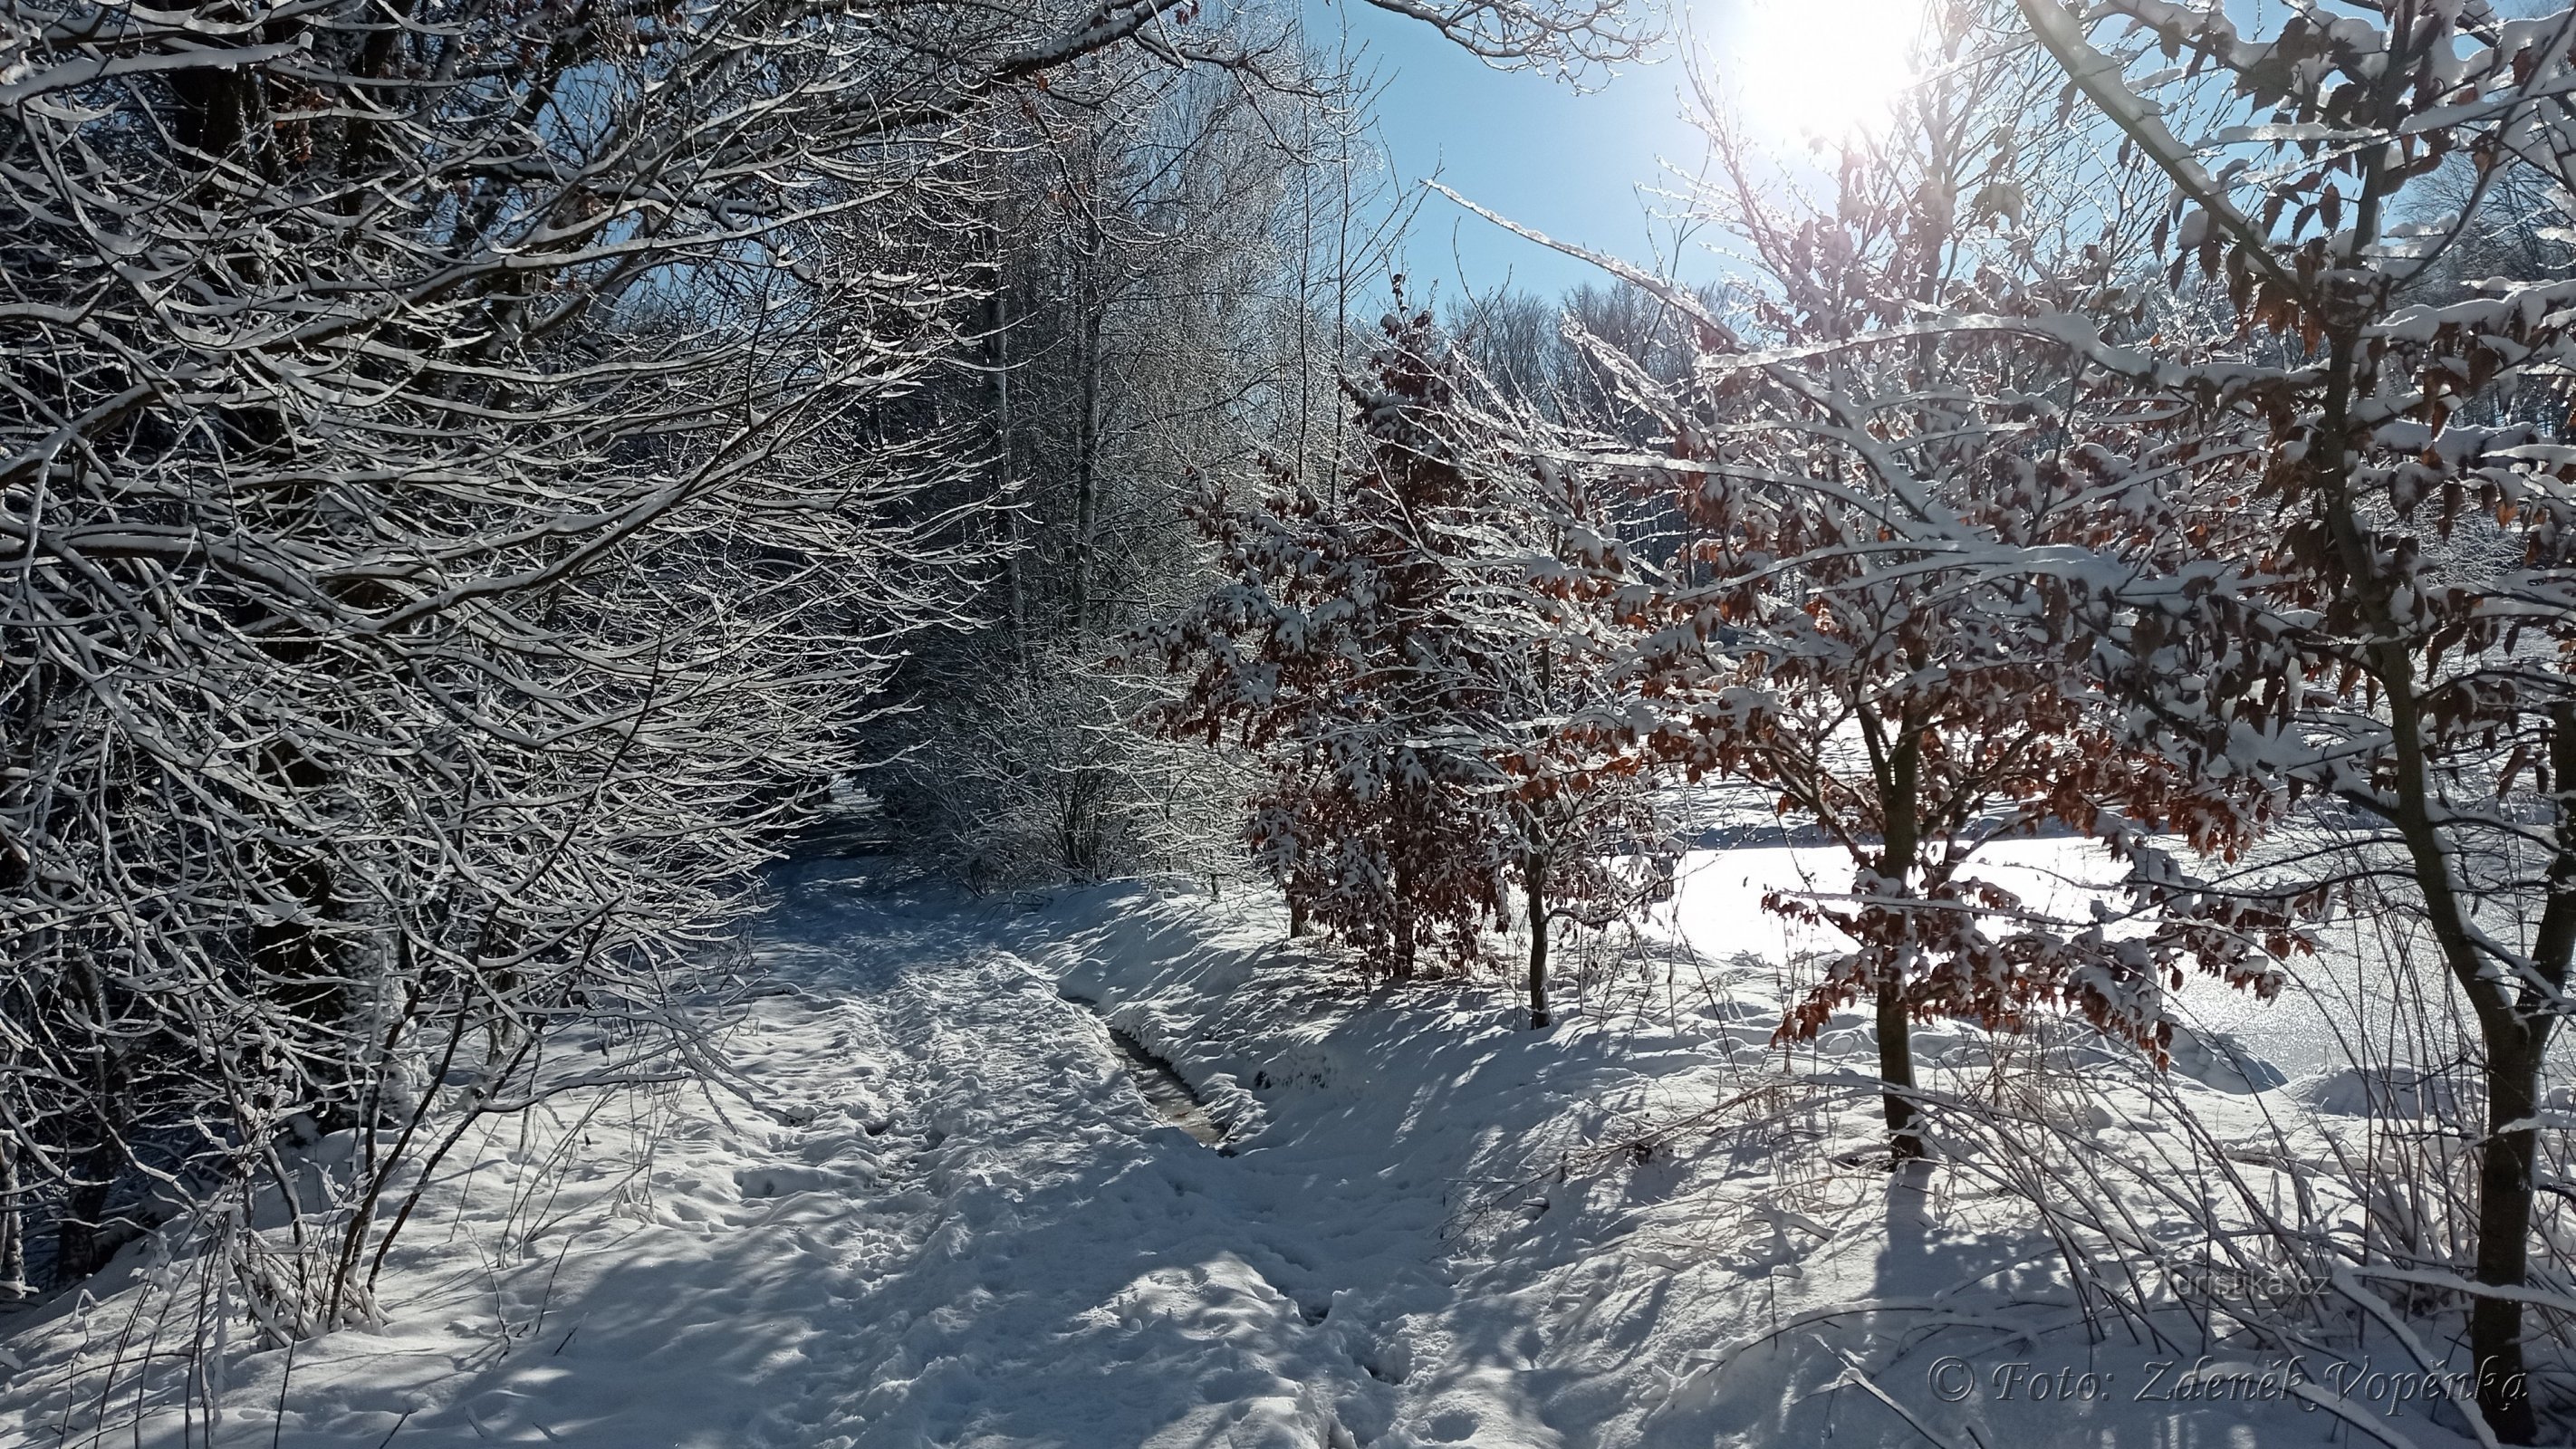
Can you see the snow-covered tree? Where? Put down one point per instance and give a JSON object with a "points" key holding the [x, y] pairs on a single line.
{"points": [[1847, 621], [1140, 245], [1413, 668], [2362, 590]]}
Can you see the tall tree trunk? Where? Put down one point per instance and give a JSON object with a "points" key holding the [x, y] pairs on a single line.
{"points": [[1090, 304], [1534, 879], [1086, 467], [1005, 458]]}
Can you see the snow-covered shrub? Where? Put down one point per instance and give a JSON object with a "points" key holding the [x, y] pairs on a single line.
{"points": [[1042, 775]]}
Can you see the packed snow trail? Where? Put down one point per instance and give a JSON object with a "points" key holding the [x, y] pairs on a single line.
{"points": [[932, 1208], [1029, 1229]]}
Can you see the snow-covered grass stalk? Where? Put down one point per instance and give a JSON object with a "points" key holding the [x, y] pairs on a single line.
{"points": [[230, 1276], [2327, 1219]]}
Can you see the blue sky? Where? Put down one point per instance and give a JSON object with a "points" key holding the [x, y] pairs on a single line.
{"points": [[1530, 148]]}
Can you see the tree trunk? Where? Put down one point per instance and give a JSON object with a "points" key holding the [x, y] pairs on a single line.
{"points": [[81, 1245], [2513, 1026], [1086, 472], [1896, 1068], [2504, 1229], [1401, 968], [13, 1239], [1897, 863], [1535, 877], [2516, 1044], [97, 1151], [1005, 457], [1090, 303]]}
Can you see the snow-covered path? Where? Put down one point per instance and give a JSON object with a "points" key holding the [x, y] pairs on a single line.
{"points": [[934, 1209], [1037, 1257]]}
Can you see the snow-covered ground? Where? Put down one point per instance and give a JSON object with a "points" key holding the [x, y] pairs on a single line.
{"points": [[937, 1210], [1718, 911]]}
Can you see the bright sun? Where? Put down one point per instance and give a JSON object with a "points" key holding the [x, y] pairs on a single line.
{"points": [[1821, 68]]}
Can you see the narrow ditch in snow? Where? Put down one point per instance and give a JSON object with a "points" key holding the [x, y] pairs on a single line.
{"points": [[1165, 1090]]}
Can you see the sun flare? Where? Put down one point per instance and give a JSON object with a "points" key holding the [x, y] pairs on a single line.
{"points": [[1817, 68]]}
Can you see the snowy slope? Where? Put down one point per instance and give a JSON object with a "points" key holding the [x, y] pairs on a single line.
{"points": [[941, 1213]]}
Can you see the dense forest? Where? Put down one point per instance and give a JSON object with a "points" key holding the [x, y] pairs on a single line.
{"points": [[482, 481]]}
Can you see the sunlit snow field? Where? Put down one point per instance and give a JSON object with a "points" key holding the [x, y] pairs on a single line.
{"points": [[1717, 910]]}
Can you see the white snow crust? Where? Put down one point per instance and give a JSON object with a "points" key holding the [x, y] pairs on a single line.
{"points": [[937, 1211]]}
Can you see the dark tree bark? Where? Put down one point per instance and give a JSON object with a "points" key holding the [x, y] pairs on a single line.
{"points": [[1534, 879], [1900, 782]]}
